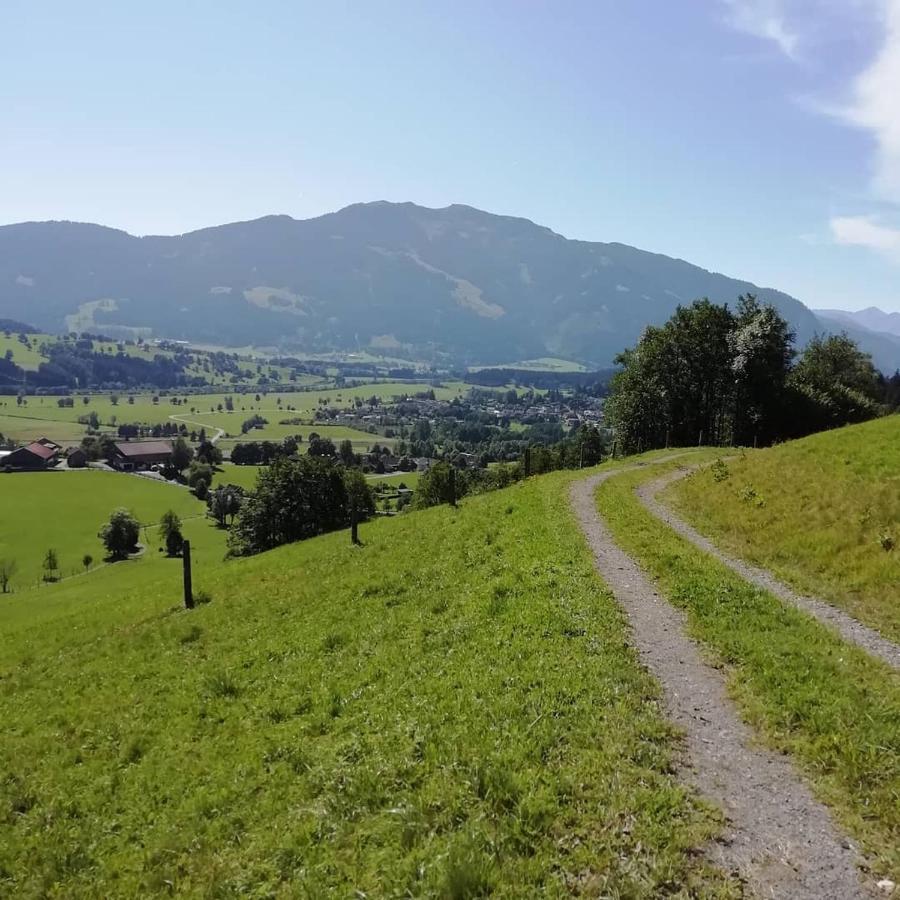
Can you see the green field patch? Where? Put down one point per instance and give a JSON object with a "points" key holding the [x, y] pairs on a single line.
{"points": [[64, 511], [449, 710], [28, 358]]}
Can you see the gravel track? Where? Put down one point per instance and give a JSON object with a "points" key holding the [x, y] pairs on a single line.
{"points": [[849, 628], [778, 837]]}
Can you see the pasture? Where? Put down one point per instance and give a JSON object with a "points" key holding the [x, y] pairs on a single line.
{"points": [[65, 510], [451, 709], [38, 416]]}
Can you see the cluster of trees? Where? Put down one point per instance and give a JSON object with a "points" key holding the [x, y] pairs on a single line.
{"points": [[296, 499], [445, 483], [262, 453], [716, 376], [71, 365]]}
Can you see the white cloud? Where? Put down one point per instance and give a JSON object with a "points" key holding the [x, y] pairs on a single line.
{"points": [[764, 19], [875, 105], [865, 231]]}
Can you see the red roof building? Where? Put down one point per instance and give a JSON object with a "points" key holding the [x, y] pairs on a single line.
{"points": [[38, 455], [130, 456]]}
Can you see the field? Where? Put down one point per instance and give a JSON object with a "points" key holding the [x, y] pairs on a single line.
{"points": [[542, 364], [26, 357], [833, 707], [64, 511], [449, 710], [823, 513], [42, 416]]}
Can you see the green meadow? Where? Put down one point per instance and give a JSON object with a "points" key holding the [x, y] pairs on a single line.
{"points": [[42, 416], [64, 511], [823, 513], [26, 357], [450, 710]]}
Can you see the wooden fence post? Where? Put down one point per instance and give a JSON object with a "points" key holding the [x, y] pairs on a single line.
{"points": [[354, 525], [186, 562]]}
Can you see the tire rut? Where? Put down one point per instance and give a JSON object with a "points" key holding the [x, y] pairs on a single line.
{"points": [[778, 837], [852, 630]]}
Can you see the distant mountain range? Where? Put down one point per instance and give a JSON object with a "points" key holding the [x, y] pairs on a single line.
{"points": [[453, 283], [872, 318]]}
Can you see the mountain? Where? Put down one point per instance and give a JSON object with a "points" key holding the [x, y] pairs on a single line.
{"points": [[871, 317], [457, 282]]}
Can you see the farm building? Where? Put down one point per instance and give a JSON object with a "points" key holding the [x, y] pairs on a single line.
{"points": [[39, 454], [76, 458], [131, 456]]}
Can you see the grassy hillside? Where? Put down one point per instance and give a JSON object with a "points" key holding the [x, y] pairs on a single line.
{"points": [[64, 510], [823, 513], [833, 707], [450, 709]]}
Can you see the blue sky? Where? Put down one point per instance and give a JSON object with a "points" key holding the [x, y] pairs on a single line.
{"points": [[759, 138]]}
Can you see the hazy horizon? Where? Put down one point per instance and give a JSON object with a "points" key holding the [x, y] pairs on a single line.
{"points": [[751, 137]]}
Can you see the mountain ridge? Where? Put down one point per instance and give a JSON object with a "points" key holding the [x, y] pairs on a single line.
{"points": [[452, 283]]}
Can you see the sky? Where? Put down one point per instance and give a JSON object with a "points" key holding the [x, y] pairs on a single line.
{"points": [[758, 138]]}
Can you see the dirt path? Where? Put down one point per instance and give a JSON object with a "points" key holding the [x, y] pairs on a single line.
{"points": [[220, 432], [849, 628], [778, 837]]}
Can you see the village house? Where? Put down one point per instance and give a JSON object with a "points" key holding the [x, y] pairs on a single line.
{"points": [[76, 458], [133, 456], [40, 454]]}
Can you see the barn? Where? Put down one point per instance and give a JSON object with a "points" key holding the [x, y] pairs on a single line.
{"points": [[40, 454], [132, 456]]}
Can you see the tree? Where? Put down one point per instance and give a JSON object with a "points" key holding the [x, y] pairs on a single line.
{"points": [[440, 484], [319, 446], [208, 453], [360, 502], [182, 454], [8, 568], [87, 561], [834, 383], [762, 347], [120, 534], [588, 446], [170, 527], [707, 375], [225, 503], [199, 471], [294, 499], [51, 565], [346, 454]]}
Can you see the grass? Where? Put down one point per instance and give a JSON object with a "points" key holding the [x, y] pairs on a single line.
{"points": [[450, 710], [829, 704], [39, 415], [29, 357], [242, 476], [64, 510], [818, 512]]}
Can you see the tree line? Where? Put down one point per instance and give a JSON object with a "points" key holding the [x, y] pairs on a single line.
{"points": [[713, 375]]}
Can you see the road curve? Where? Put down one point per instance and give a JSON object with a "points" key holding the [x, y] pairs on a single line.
{"points": [[778, 837], [850, 629]]}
